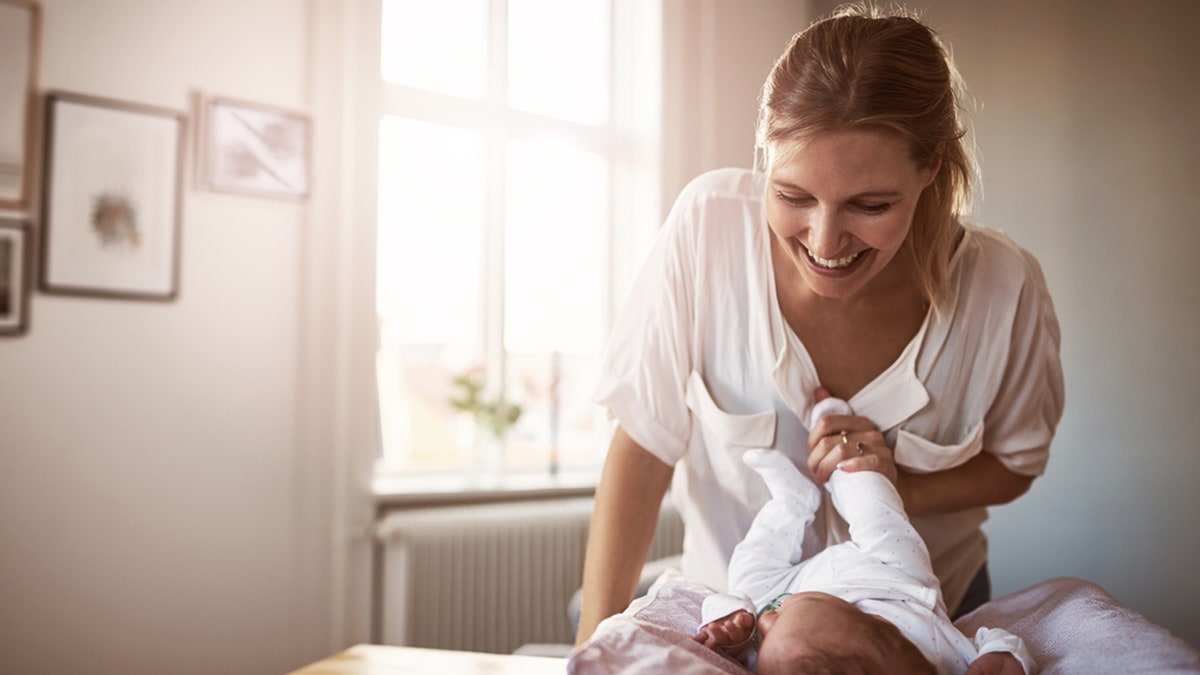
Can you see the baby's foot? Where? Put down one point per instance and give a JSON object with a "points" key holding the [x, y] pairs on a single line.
{"points": [[730, 634], [782, 477], [829, 406]]}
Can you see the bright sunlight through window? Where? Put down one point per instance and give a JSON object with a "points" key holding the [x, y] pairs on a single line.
{"points": [[518, 164]]}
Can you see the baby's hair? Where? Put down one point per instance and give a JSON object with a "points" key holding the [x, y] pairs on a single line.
{"points": [[853, 664], [824, 664], [903, 658]]}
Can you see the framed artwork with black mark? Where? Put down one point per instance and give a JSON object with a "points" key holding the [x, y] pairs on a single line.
{"points": [[111, 198]]}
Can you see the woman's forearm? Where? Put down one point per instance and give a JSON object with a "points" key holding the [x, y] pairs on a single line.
{"points": [[982, 481], [625, 515]]}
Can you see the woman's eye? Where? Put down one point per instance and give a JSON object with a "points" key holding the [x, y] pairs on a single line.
{"points": [[874, 209], [789, 199]]}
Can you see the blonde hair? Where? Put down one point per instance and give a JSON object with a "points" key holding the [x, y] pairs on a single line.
{"points": [[868, 68]]}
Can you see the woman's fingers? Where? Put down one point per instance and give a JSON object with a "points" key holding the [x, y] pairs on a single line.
{"points": [[870, 457], [823, 461], [869, 462], [851, 448], [834, 425]]}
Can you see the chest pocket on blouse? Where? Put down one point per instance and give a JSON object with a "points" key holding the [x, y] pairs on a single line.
{"points": [[727, 430], [916, 453]]}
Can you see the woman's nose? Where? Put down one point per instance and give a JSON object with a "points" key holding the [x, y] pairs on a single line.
{"points": [[825, 233]]}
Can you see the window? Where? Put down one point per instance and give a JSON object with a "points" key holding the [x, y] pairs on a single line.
{"points": [[518, 188]]}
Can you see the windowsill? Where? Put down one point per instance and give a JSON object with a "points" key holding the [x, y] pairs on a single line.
{"points": [[393, 492]]}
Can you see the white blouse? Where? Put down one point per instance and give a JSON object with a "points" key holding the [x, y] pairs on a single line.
{"points": [[702, 366]]}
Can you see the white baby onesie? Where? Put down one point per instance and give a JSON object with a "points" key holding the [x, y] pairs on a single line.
{"points": [[883, 570]]}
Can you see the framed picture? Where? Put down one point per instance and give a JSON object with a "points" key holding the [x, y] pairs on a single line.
{"points": [[255, 149], [20, 36], [111, 199], [14, 277]]}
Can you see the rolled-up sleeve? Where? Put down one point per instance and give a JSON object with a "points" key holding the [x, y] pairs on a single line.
{"points": [[1022, 419], [643, 376]]}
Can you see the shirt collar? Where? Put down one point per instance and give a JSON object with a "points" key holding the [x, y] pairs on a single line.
{"points": [[894, 396]]}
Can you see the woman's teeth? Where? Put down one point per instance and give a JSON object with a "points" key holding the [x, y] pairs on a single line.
{"points": [[836, 263]]}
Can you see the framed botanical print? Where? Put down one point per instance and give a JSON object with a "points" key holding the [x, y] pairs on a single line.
{"points": [[111, 200]]}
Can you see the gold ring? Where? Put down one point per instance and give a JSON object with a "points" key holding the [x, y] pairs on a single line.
{"points": [[845, 438], [862, 449]]}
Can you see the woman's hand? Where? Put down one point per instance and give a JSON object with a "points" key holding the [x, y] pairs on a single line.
{"points": [[847, 442]]}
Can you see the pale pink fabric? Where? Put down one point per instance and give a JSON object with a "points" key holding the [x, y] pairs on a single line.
{"points": [[1074, 626], [1071, 626], [654, 636]]}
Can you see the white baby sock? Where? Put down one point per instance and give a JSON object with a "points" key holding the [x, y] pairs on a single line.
{"points": [[721, 605], [782, 477], [829, 406]]}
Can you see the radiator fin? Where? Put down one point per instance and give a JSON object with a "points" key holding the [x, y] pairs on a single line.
{"points": [[489, 578]]}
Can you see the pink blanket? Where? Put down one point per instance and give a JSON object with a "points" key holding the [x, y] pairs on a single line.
{"points": [[1070, 625]]}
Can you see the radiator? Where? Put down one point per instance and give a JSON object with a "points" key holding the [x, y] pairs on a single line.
{"points": [[489, 578]]}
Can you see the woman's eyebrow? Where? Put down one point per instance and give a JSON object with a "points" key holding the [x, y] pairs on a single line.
{"points": [[879, 193], [869, 194]]}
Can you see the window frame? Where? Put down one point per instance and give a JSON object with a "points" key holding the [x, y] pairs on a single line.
{"points": [[630, 141]]}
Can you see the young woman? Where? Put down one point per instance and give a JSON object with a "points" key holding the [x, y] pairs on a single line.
{"points": [[843, 262]]}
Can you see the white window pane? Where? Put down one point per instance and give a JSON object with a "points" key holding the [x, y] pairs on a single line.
{"points": [[439, 46], [555, 242], [430, 231], [430, 262], [560, 426], [558, 54]]}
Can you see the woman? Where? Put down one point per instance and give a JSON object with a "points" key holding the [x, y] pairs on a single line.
{"points": [[842, 264]]}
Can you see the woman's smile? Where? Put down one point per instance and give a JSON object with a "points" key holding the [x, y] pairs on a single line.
{"points": [[841, 204], [841, 264]]}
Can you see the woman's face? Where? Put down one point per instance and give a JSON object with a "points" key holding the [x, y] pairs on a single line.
{"points": [[841, 204]]}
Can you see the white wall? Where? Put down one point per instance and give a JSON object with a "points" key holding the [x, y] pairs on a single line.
{"points": [[167, 470], [182, 484], [1089, 144], [716, 57]]}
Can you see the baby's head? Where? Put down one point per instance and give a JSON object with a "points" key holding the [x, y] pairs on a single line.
{"points": [[821, 633]]}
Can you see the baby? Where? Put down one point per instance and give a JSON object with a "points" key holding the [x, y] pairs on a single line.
{"points": [[869, 605]]}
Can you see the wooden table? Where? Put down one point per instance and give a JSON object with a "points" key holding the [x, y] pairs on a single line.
{"points": [[385, 660]]}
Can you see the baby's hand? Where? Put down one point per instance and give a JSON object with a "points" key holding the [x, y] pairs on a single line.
{"points": [[729, 635], [996, 663]]}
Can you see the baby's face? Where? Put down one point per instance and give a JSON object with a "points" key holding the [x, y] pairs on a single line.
{"points": [[813, 622]]}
